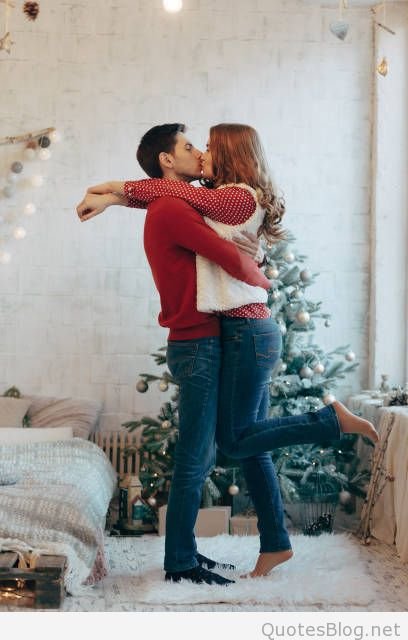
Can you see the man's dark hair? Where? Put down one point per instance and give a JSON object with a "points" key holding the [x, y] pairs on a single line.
{"points": [[157, 139]]}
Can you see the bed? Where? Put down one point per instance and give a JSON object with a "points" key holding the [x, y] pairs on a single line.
{"points": [[54, 495]]}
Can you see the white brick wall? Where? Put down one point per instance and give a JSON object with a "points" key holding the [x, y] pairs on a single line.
{"points": [[77, 304]]}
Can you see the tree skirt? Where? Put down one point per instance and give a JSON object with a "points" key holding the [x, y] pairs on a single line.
{"points": [[325, 571]]}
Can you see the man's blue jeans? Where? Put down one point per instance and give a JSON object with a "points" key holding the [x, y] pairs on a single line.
{"points": [[250, 351], [195, 365]]}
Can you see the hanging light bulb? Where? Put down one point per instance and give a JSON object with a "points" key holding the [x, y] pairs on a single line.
{"points": [[172, 6]]}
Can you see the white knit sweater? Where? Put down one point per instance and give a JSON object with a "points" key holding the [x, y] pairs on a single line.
{"points": [[216, 289]]}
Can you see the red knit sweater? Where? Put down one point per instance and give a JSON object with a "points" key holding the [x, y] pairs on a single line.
{"points": [[174, 232]]}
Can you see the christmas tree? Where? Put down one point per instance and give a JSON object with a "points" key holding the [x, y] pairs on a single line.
{"points": [[303, 380]]}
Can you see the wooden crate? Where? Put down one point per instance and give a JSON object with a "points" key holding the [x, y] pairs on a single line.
{"points": [[41, 587]]}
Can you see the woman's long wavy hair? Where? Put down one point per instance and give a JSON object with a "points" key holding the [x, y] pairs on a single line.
{"points": [[238, 156]]}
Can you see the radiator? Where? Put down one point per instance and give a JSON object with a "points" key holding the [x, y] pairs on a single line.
{"points": [[114, 444]]}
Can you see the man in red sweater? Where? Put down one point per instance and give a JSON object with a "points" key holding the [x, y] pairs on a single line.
{"points": [[174, 233]]}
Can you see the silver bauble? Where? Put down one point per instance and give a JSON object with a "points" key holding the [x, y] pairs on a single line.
{"points": [[289, 257], [305, 275], [163, 385], [344, 497], [350, 356], [271, 272], [17, 167], [306, 372], [303, 316], [318, 368], [142, 386], [233, 490]]}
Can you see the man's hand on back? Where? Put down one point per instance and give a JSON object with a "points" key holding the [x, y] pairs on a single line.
{"points": [[250, 244]]}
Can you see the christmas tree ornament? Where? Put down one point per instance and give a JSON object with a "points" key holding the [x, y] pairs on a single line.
{"points": [[306, 372], [44, 154], [303, 316], [297, 294], [350, 356], [152, 501], [328, 398], [233, 490], [305, 275], [339, 28], [271, 272], [163, 385], [142, 386], [344, 497], [327, 323], [283, 366], [289, 257], [29, 209], [166, 424], [276, 295], [318, 368], [11, 177], [382, 67], [44, 142], [31, 10], [17, 167], [8, 191], [29, 153]]}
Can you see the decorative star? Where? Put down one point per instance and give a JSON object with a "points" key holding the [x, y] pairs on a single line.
{"points": [[6, 42]]}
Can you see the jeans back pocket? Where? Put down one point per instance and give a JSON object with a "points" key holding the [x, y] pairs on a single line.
{"points": [[181, 358], [268, 347]]}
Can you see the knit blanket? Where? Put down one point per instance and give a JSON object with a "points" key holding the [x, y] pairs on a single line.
{"points": [[54, 498]]}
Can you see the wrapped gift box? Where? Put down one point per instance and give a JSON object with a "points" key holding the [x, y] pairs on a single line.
{"points": [[243, 526], [210, 522]]}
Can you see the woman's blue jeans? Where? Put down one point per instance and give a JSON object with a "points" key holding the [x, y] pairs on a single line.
{"points": [[236, 387], [250, 350]]}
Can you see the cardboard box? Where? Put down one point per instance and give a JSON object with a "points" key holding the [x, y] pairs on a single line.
{"points": [[210, 522], [243, 526]]}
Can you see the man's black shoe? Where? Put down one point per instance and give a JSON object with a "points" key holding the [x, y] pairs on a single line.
{"points": [[211, 564], [198, 575]]}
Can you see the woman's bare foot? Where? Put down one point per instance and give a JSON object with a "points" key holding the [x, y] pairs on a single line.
{"points": [[350, 423], [267, 561]]}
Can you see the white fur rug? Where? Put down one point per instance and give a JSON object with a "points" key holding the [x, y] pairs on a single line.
{"points": [[326, 571]]}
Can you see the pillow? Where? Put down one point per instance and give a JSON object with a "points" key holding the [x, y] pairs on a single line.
{"points": [[12, 411], [78, 413], [26, 436]]}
